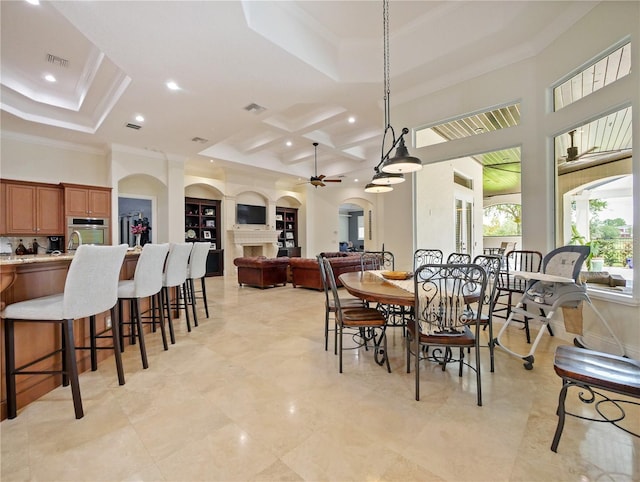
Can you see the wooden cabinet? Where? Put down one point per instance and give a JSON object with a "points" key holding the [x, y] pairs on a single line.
{"points": [[287, 223], [202, 223], [32, 209], [87, 201]]}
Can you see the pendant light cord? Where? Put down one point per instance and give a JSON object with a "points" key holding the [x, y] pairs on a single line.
{"points": [[387, 85]]}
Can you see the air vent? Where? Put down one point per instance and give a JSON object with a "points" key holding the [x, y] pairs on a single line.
{"points": [[59, 61], [255, 108], [133, 126], [200, 140]]}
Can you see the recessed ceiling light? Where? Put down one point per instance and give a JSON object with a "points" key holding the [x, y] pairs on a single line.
{"points": [[33, 2], [210, 160], [352, 120], [171, 85], [139, 118], [355, 180], [289, 143], [49, 78]]}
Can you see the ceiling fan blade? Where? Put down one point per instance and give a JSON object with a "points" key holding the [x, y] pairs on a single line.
{"points": [[332, 180], [591, 149], [321, 177]]}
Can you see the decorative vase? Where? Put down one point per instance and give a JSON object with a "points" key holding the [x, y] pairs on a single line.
{"points": [[138, 236]]}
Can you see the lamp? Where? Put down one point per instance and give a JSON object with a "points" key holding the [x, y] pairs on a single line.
{"points": [[376, 188], [386, 178], [391, 170]]}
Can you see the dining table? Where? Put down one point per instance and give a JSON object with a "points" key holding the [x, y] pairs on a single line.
{"points": [[369, 286]]}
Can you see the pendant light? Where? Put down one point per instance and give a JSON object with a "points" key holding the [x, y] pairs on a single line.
{"points": [[391, 171]]}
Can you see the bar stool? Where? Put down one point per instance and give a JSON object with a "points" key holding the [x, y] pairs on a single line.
{"points": [[146, 282], [175, 274], [91, 288], [196, 269]]}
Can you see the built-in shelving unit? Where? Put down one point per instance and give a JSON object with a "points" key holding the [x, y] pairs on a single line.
{"points": [[202, 219], [287, 222]]}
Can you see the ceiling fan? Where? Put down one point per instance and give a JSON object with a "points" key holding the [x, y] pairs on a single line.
{"points": [[320, 180], [572, 151]]}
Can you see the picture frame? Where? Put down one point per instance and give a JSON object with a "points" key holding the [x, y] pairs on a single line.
{"points": [[289, 235], [289, 244], [213, 245], [209, 212], [279, 217], [206, 234], [210, 223], [279, 244]]}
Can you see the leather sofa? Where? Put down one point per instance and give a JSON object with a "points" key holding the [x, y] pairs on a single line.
{"points": [[261, 271], [305, 272]]}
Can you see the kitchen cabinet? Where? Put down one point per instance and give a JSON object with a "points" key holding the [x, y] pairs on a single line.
{"points": [[87, 201], [32, 209]]}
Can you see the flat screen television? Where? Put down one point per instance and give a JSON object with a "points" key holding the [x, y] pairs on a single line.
{"points": [[248, 214]]}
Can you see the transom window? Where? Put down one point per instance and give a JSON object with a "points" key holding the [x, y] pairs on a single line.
{"points": [[595, 76]]}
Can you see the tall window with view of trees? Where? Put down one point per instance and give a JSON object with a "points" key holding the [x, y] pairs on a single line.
{"points": [[502, 220]]}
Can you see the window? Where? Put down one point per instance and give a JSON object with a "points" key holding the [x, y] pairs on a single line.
{"points": [[502, 220], [595, 76], [595, 199]]}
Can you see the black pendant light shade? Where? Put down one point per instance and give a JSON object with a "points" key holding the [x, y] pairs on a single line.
{"points": [[377, 188], [386, 178], [402, 162]]}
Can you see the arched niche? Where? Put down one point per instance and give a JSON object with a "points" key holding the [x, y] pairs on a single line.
{"points": [[145, 194], [288, 202], [355, 219]]}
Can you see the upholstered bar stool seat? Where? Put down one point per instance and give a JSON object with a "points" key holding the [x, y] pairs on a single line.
{"points": [[175, 275], [90, 289], [146, 282], [196, 269]]}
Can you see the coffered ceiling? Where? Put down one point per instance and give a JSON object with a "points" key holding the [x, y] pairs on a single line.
{"points": [[252, 76]]}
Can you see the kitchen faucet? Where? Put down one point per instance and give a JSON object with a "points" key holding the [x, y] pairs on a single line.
{"points": [[70, 245]]}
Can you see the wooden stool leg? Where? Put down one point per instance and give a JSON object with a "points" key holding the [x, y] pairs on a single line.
{"points": [[192, 300], [561, 416], [135, 312], [93, 342], [166, 302], [162, 328], [115, 336], [10, 366], [72, 367], [204, 297]]}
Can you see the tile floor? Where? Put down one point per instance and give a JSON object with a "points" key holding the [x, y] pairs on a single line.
{"points": [[251, 395]]}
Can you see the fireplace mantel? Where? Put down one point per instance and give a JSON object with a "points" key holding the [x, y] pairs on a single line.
{"points": [[254, 237]]}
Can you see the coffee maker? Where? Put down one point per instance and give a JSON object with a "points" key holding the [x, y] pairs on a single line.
{"points": [[56, 243]]}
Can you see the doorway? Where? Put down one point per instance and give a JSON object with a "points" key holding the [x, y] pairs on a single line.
{"points": [[463, 222]]}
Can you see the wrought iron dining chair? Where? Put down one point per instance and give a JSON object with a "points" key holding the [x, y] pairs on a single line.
{"points": [[426, 256], [458, 258], [367, 321], [508, 284], [377, 260], [448, 308], [330, 306], [491, 266]]}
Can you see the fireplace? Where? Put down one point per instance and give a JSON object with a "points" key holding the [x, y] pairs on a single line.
{"points": [[254, 242]]}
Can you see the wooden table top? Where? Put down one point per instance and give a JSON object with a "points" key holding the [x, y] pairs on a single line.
{"points": [[369, 287]]}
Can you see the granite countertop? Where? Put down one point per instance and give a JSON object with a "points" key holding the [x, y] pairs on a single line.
{"points": [[42, 258]]}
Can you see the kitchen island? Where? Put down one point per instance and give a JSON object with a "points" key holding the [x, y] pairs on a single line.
{"points": [[32, 276]]}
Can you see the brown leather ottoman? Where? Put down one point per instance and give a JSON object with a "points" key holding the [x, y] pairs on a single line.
{"points": [[261, 271]]}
